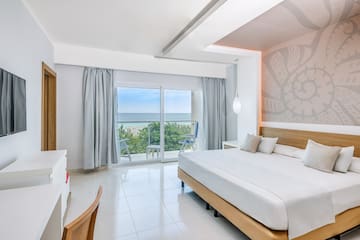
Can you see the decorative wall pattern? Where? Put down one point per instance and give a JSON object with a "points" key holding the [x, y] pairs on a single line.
{"points": [[315, 78]]}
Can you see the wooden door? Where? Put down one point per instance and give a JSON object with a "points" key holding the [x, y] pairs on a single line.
{"points": [[48, 123]]}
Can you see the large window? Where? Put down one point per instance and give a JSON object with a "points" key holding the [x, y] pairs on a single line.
{"points": [[152, 123], [178, 123]]}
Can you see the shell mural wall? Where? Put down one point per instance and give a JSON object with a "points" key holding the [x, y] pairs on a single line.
{"points": [[315, 78]]}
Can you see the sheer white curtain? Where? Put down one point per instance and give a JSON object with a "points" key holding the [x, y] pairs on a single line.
{"points": [[214, 112], [99, 108]]}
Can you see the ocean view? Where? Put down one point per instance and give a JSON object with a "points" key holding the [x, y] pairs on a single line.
{"points": [[142, 119], [146, 117]]}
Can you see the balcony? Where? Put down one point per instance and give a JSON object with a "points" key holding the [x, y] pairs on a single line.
{"points": [[142, 139]]}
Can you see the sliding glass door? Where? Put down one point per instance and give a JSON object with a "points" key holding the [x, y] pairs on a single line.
{"points": [[138, 124], [177, 122], [153, 123]]}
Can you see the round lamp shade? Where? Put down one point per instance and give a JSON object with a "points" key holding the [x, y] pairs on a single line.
{"points": [[236, 105]]}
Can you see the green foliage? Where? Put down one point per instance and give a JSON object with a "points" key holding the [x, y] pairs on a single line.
{"points": [[139, 140]]}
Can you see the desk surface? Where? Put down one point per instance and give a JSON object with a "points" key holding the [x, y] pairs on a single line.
{"points": [[25, 212], [41, 161]]}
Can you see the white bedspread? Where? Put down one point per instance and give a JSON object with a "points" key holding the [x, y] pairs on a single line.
{"points": [[276, 190]]}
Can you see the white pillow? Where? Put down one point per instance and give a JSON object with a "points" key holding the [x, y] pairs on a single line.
{"points": [[251, 143], [299, 153], [289, 151], [355, 165], [267, 145], [344, 160], [320, 157]]}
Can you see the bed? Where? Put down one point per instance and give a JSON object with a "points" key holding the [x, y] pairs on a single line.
{"points": [[224, 179]]}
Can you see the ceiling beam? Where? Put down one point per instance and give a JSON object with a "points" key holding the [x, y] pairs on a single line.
{"points": [[196, 21]]}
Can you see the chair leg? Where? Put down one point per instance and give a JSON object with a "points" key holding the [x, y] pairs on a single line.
{"points": [[128, 153], [182, 147], [337, 237], [216, 213]]}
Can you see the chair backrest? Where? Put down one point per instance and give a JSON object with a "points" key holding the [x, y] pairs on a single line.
{"points": [[82, 228], [123, 143], [196, 129]]}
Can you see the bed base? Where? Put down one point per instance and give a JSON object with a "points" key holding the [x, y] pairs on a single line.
{"points": [[343, 222]]}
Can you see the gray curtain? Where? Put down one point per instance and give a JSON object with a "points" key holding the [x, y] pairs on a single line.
{"points": [[214, 112], [99, 115]]}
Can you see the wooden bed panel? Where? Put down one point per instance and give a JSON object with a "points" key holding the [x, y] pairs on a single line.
{"points": [[246, 224], [257, 231], [299, 138]]}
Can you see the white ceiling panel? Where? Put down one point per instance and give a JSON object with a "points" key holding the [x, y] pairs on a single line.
{"points": [[139, 26]]}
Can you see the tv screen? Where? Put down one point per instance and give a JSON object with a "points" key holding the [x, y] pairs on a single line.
{"points": [[12, 103]]}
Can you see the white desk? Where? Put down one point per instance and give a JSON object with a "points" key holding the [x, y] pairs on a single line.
{"points": [[38, 169], [31, 213]]}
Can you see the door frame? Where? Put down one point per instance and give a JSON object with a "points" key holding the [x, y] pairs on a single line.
{"points": [[48, 113]]}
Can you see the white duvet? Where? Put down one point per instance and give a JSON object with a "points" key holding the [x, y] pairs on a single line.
{"points": [[276, 190]]}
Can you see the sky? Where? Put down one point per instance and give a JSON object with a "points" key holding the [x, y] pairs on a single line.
{"points": [[141, 100]]}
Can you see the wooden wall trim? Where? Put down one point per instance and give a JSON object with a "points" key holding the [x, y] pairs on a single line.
{"points": [[48, 108], [48, 69], [299, 138]]}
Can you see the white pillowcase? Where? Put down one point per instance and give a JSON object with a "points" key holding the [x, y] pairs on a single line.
{"points": [[344, 160], [355, 165], [289, 151], [299, 153], [320, 157], [251, 143], [267, 145]]}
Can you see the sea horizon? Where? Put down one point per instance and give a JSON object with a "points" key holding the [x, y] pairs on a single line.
{"points": [[151, 117], [139, 120]]}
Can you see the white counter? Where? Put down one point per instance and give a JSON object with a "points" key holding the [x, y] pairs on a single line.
{"points": [[31, 213]]}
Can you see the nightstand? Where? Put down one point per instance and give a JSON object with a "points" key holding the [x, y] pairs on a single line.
{"points": [[230, 144]]}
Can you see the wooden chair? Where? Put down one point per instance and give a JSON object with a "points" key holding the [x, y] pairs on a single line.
{"points": [[82, 228]]}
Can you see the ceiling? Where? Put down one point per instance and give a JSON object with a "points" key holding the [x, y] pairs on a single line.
{"points": [[288, 20], [138, 26], [146, 26]]}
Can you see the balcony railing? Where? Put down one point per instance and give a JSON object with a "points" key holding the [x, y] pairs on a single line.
{"points": [[141, 134]]}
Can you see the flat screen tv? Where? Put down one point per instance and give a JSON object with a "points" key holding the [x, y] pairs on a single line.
{"points": [[12, 103]]}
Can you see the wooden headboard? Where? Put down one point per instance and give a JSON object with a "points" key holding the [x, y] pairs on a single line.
{"points": [[299, 138]]}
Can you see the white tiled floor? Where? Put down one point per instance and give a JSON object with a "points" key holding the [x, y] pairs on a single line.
{"points": [[147, 203]]}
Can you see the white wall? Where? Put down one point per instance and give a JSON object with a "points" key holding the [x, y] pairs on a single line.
{"points": [[23, 46], [155, 79], [69, 100], [93, 57], [69, 113], [249, 85], [231, 117]]}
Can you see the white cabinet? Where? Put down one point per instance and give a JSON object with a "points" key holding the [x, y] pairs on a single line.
{"points": [[47, 167]]}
